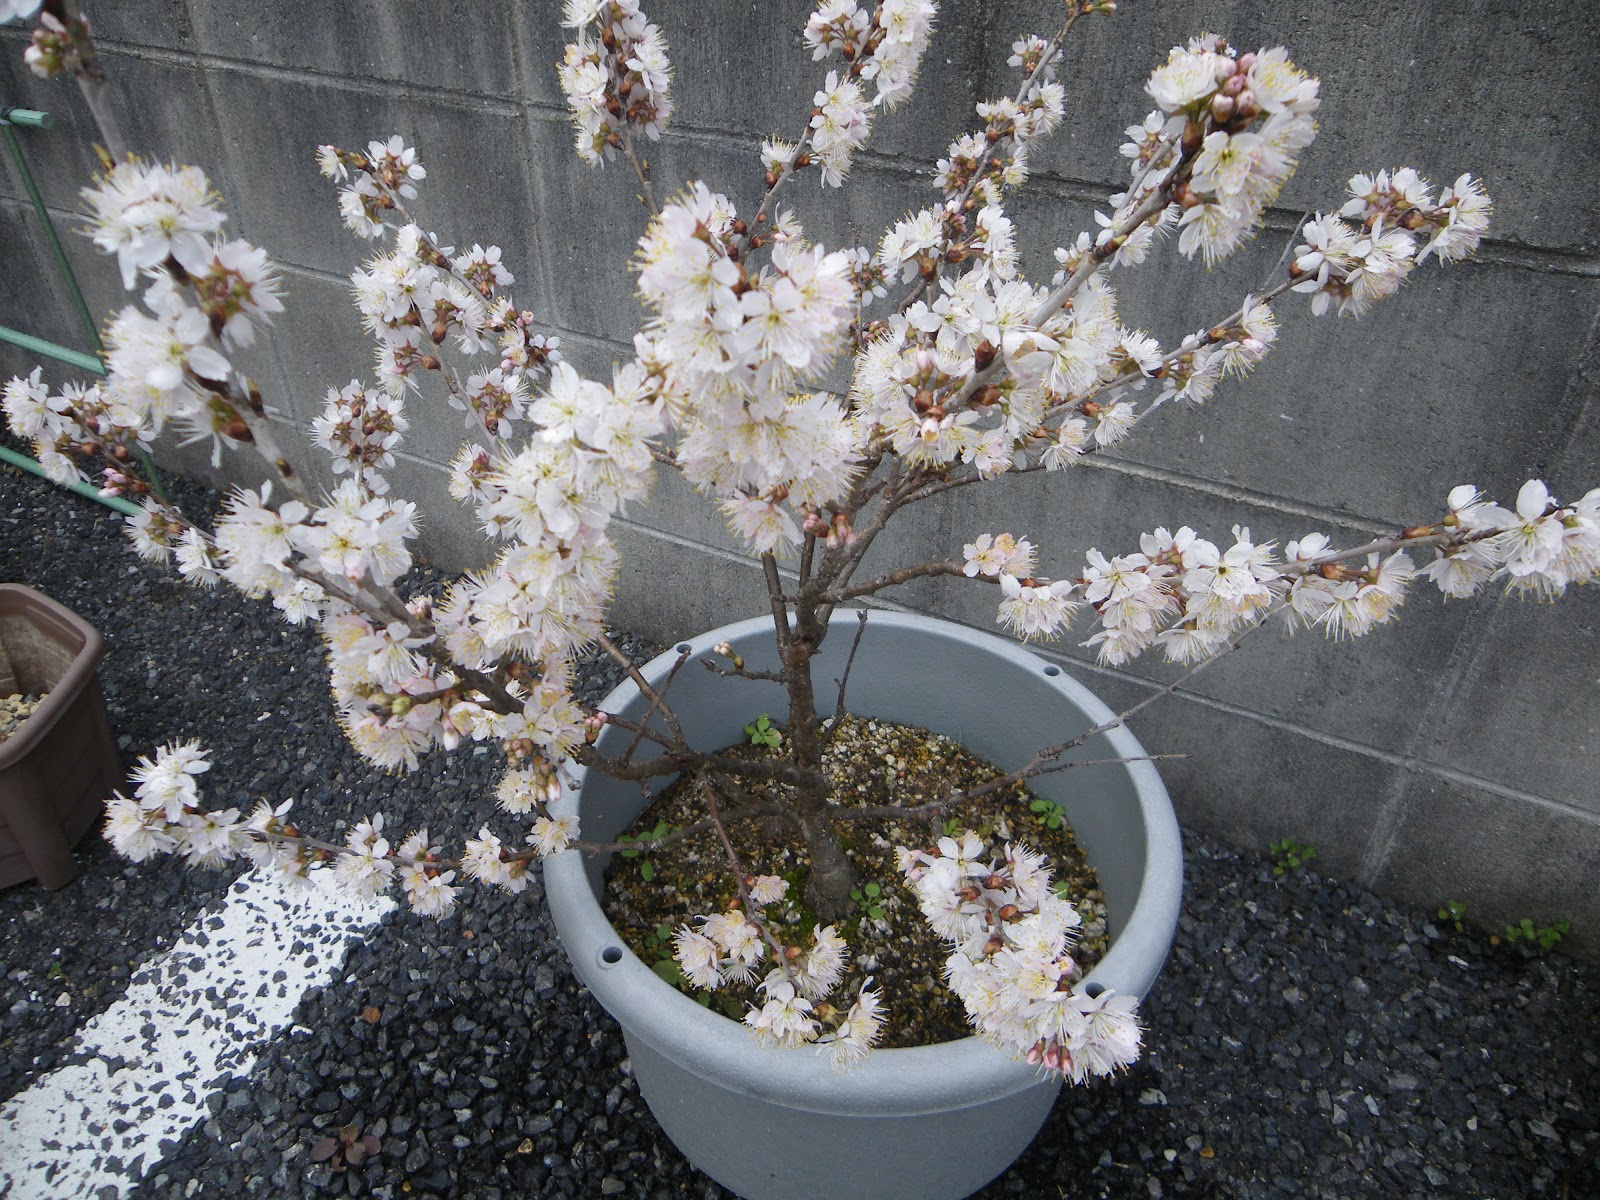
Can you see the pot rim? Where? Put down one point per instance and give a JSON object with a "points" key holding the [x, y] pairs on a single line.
{"points": [[893, 1082]]}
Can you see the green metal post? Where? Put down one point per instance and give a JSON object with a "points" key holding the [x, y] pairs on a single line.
{"points": [[49, 228]]}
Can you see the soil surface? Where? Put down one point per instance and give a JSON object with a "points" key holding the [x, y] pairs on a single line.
{"points": [[14, 710], [871, 763]]}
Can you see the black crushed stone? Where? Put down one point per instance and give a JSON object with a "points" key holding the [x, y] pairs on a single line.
{"points": [[1306, 1040]]}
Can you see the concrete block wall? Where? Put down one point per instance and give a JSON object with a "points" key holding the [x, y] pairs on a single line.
{"points": [[1453, 756]]}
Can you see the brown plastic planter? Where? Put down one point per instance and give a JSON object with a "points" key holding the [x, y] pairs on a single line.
{"points": [[58, 767]]}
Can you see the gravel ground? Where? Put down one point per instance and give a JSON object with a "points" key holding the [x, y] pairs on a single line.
{"points": [[1307, 1039]]}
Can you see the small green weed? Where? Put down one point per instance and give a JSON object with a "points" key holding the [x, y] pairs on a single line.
{"points": [[1524, 932], [762, 733], [1290, 856], [647, 869], [1051, 815], [1454, 914], [659, 940], [870, 897], [949, 826], [54, 972]]}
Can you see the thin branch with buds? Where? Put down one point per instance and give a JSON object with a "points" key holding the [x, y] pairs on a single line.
{"points": [[961, 198], [1044, 760], [751, 910], [736, 672]]}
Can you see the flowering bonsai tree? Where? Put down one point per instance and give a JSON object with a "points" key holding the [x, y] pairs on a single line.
{"points": [[962, 372]]}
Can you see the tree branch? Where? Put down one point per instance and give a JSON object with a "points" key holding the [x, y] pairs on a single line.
{"points": [[990, 148], [752, 912], [657, 699], [832, 726], [890, 579], [90, 73], [641, 169]]}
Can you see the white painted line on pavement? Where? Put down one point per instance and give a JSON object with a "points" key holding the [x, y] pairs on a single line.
{"points": [[193, 1017]]}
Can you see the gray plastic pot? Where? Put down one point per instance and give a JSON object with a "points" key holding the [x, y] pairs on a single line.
{"points": [[923, 1124]]}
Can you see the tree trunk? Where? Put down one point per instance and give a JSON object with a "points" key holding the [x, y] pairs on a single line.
{"points": [[832, 877]]}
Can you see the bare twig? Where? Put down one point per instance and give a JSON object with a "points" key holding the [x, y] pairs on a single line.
{"points": [[749, 810], [657, 699], [891, 579], [751, 910], [838, 707], [676, 761], [780, 611], [641, 169], [945, 485], [92, 79], [641, 728], [808, 550], [1288, 249], [1039, 762], [744, 672], [265, 444]]}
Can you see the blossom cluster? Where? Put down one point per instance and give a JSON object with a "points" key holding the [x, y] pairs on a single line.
{"points": [[203, 296], [887, 40], [981, 368], [79, 420], [616, 76], [1189, 596], [399, 670], [1010, 936], [50, 50], [979, 167], [377, 181], [725, 349], [165, 815], [972, 373], [881, 44], [360, 432], [1236, 123], [1364, 254], [729, 946]]}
